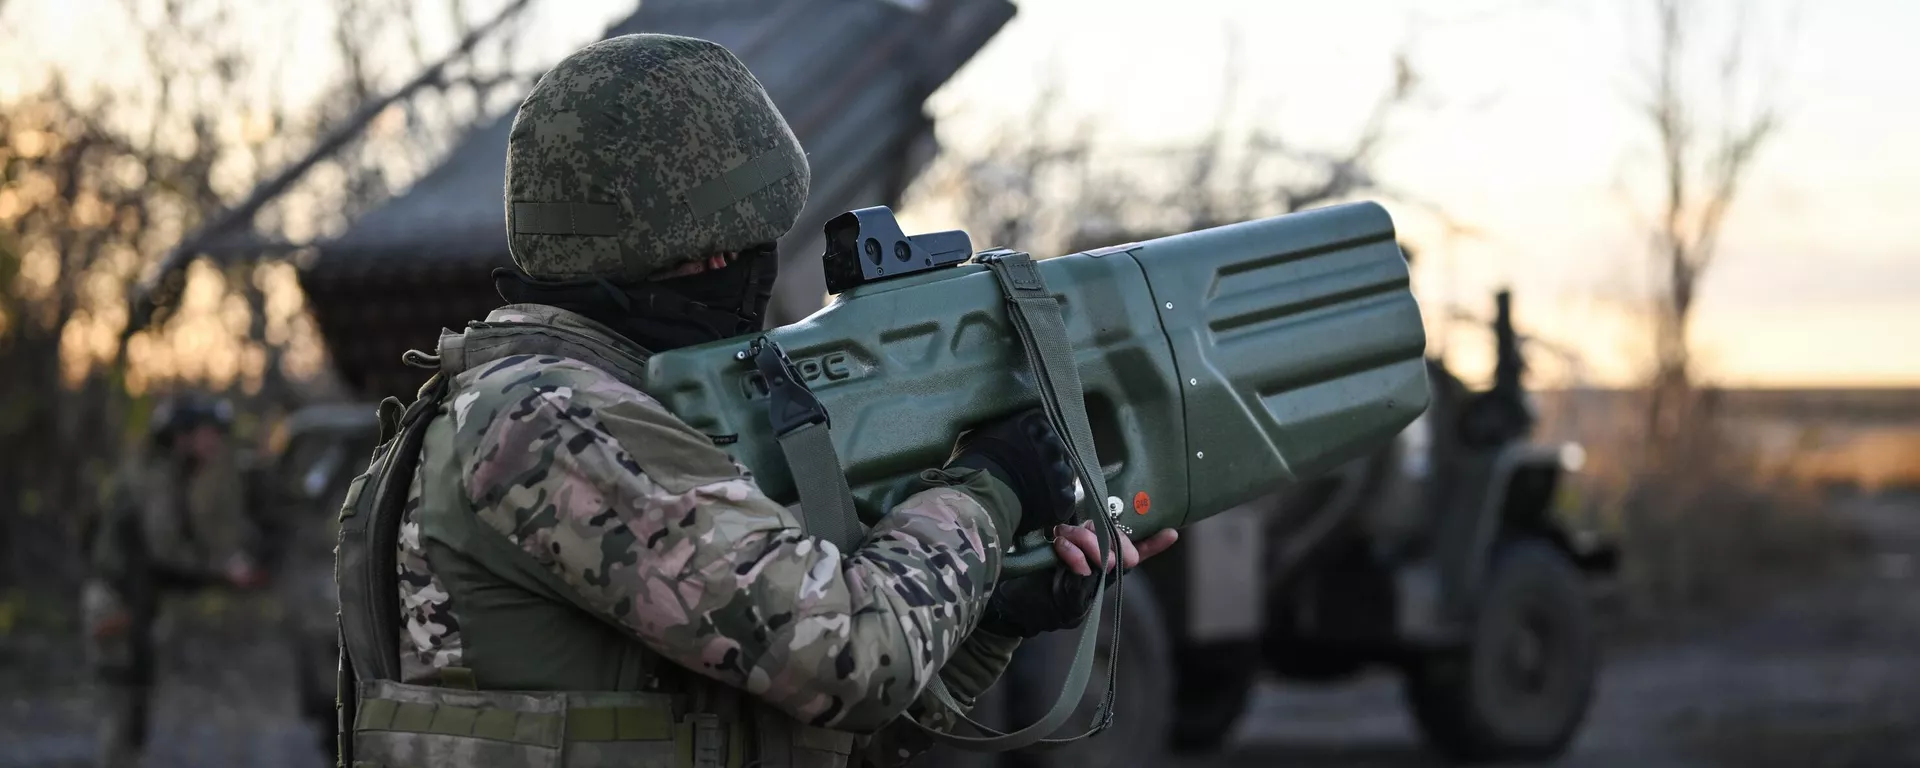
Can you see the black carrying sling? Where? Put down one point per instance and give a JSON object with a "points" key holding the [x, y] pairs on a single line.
{"points": [[365, 561], [827, 509]]}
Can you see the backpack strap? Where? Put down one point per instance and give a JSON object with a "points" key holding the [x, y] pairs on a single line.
{"points": [[365, 559], [802, 426]]}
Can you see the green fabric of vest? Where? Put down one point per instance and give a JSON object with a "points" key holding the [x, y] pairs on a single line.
{"points": [[520, 626]]}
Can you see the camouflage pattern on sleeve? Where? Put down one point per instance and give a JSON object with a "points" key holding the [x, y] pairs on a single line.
{"points": [[972, 670], [669, 537], [429, 634]]}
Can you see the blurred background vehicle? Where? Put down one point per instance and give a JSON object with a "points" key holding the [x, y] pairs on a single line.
{"points": [[1446, 557], [310, 463]]}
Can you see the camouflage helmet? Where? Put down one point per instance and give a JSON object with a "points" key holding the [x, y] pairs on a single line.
{"points": [[173, 416], [643, 152]]}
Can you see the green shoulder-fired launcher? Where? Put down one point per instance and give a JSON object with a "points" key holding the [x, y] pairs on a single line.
{"points": [[1215, 366]]}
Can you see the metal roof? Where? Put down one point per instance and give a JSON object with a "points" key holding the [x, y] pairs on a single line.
{"points": [[851, 76]]}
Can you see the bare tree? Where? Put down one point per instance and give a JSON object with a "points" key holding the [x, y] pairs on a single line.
{"points": [[97, 180], [1275, 175], [1008, 191], [1045, 185], [1705, 154], [1690, 505]]}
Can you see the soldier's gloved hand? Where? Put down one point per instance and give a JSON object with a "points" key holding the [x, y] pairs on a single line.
{"points": [[1058, 599], [1023, 452]]}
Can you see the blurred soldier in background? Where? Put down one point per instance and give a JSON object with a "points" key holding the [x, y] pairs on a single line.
{"points": [[172, 520]]}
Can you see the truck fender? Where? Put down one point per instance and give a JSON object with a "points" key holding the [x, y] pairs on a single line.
{"points": [[1520, 487]]}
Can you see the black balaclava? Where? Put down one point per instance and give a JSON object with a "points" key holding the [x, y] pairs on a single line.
{"points": [[665, 314]]}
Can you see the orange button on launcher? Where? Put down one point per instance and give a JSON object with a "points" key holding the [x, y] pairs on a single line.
{"points": [[1141, 503]]}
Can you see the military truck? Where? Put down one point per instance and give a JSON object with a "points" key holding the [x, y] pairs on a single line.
{"points": [[1446, 557]]}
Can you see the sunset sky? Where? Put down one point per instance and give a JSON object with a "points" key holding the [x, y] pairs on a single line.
{"points": [[1528, 138], [1530, 143]]}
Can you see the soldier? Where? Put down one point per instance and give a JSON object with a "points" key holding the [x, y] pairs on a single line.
{"points": [[172, 521], [584, 579]]}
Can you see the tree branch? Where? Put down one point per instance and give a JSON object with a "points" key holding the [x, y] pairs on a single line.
{"points": [[157, 293], [1701, 168]]}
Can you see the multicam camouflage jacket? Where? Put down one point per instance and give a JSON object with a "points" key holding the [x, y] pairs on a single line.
{"points": [[657, 533]]}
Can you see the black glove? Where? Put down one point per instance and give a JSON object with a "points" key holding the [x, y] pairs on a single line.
{"points": [[1047, 601], [1025, 453]]}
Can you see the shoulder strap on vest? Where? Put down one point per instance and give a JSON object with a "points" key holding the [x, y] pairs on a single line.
{"points": [[484, 342], [365, 559], [369, 541]]}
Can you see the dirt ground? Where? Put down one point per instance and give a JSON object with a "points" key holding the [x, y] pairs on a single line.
{"points": [[1825, 677]]}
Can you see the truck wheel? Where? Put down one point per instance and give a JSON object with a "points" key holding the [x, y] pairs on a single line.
{"points": [[1140, 721], [1141, 718], [1299, 661], [1345, 575], [1216, 682], [1520, 688]]}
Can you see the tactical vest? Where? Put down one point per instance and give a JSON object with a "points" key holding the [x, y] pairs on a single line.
{"points": [[547, 683]]}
